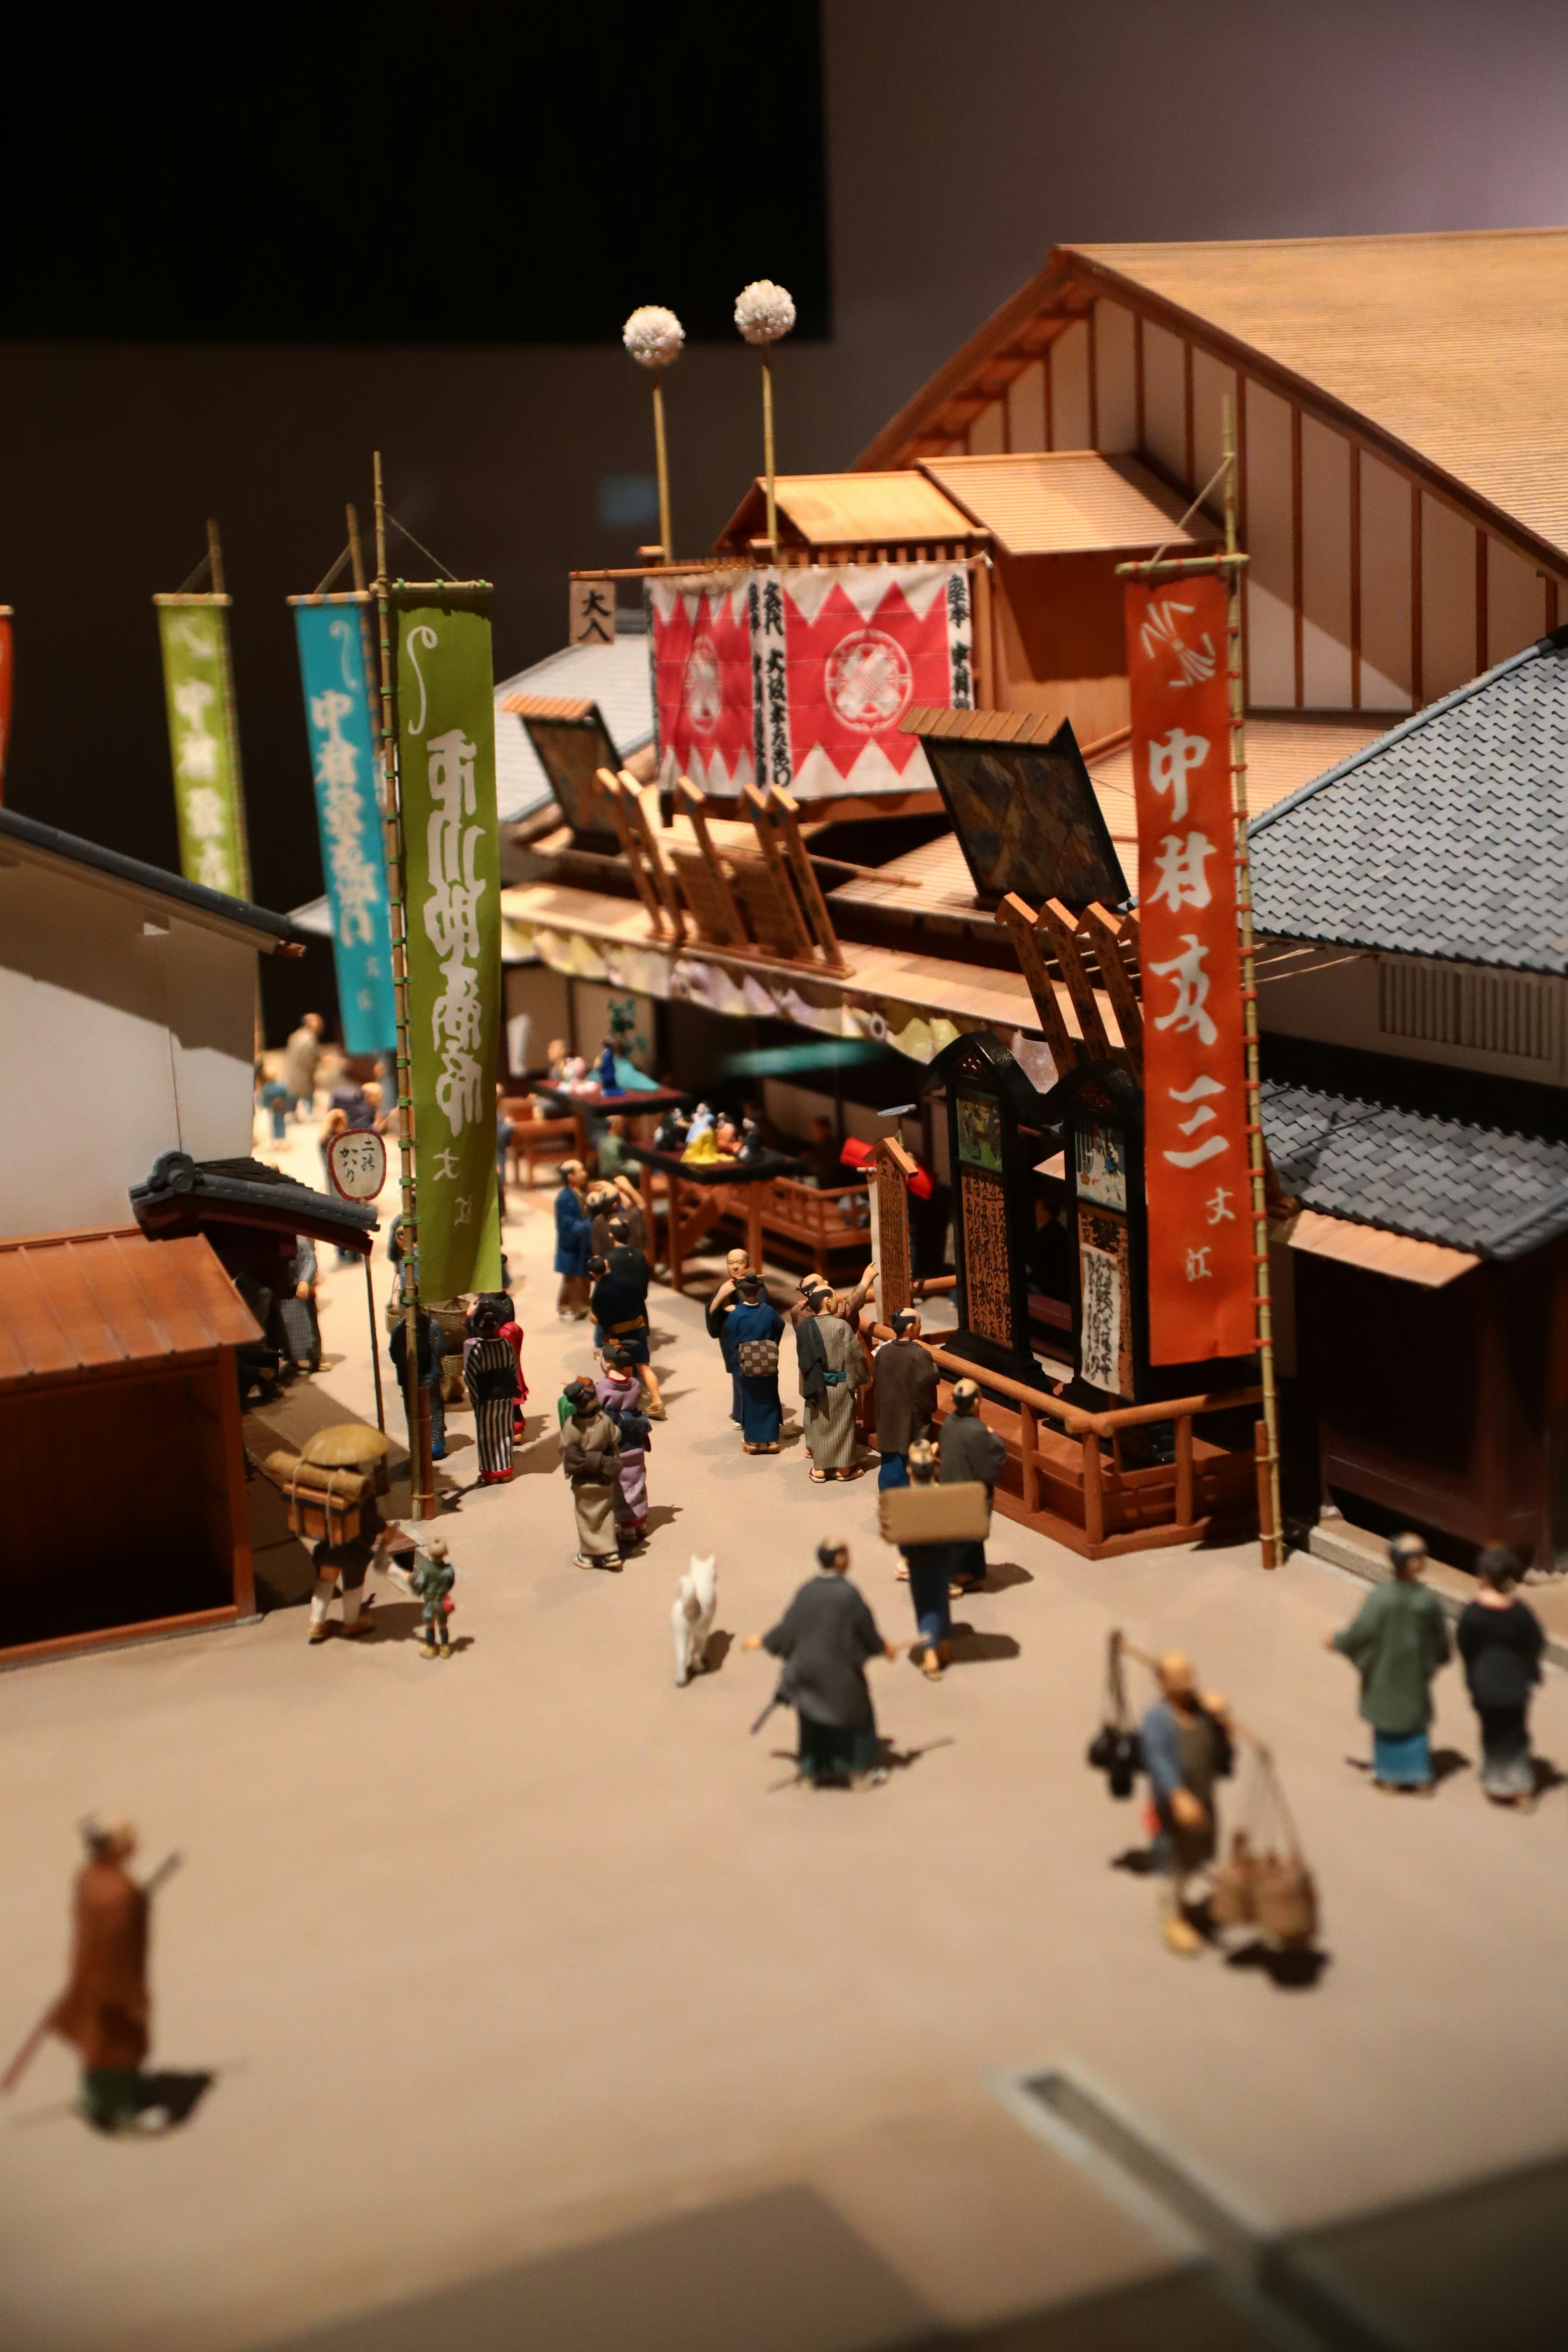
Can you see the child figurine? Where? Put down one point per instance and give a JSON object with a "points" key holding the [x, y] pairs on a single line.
{"points": [[431, 1579]]}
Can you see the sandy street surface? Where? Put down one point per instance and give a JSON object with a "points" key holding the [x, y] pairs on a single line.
{"points": [[530, 1952]]}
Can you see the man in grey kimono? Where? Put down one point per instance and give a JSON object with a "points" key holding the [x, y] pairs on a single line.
{"points": [[824, 1637], [832, 1367], [904, 1385], [970, 1450], [591, 1457]]}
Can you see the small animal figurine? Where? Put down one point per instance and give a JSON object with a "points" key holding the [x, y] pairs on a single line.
{"points": [[696, 1598]]}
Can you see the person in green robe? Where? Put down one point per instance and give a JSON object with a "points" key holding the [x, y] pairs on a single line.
{"points": [[1397, 1642]]}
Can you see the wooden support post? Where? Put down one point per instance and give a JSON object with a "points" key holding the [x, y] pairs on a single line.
{"points": [[1059, 926], [754, 1226], [1103, 932], [1093, 1505], [762, 820], [1184, 1470], [694, 804], [374, 1347], [1028, 1459], [784, 815], [1018, 920], [631, 850]]}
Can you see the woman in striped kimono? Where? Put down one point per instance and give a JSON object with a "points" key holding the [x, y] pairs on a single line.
{"points": [[832, 1365], [489, 1375]]}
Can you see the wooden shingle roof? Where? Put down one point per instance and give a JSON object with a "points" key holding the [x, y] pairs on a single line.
{"points": [[77, 1306], [1448, 350]]}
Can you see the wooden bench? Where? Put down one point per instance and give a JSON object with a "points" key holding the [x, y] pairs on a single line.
{"points": [[534, 1137]]}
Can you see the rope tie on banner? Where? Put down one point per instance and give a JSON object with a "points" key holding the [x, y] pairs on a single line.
{"points": [[322, 586], [444, 570], [206, 565], [1216, 476]]}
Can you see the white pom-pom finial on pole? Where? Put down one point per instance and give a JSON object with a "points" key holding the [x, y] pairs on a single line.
{"points": [[765, 313], [654, 338]]}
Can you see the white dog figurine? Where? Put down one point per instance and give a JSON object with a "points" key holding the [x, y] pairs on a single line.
{"points": [[696, 1598]]}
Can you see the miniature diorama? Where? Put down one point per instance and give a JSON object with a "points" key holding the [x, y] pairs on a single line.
{"points": [[1031, 966]]}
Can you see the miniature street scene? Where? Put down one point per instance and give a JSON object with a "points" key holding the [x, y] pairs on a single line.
{"points": [[786, 1526]]}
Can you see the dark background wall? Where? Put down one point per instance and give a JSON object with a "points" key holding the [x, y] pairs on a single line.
{"points": [[959, 143]]}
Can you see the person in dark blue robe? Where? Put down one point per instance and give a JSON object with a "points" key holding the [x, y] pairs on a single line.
{"points": [[755, 1329], [719, 1308], [573, 1230]]}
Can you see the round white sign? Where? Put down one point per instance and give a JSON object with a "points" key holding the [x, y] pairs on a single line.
{"points": [[357, 1163]]}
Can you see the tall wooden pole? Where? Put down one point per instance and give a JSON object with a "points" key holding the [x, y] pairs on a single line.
{"points": [[661, 460], [421, 1479], [768, 452], [1272, 1530]]}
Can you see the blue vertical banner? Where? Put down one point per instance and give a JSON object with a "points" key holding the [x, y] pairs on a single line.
{"points": [[342, 762]]}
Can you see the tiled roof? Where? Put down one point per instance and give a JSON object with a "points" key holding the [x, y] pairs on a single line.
{"points": [[1447, 837], [1443, 1180], [83, 1304]]}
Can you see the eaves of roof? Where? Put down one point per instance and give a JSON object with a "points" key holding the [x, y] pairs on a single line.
{"points": [[46, 845]]}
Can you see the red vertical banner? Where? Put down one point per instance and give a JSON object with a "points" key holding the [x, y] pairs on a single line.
{"points": [[6, 662], [1201, 1275]]}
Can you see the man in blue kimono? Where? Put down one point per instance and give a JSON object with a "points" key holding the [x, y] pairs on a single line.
{"points": [[573, 1230], [755, 1329]]}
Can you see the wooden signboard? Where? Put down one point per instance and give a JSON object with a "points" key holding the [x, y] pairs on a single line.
{"points": [[893, 1169]]}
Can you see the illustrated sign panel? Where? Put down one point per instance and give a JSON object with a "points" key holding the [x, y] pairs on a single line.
{"points": [[1100, 1164], [572, 752], [979, 1133], [1027, 820], [987, 1271], [198, 691], [1196, 1154], [447, 767], [1105, 1296], [331, 638], [800, 675], [356, 1162]]}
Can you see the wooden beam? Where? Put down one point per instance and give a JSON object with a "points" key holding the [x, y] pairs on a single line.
{"points": [[1417, 657], [1059, 925], [1018, 920], [631, 850], [762, 821], [663, 880], [1355, 575], [1103, 931], [1297, 563], [693, 803], [784, 815]]}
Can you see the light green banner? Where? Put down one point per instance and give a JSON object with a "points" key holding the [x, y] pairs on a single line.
{"points": [[198, 689], [447, 766]]}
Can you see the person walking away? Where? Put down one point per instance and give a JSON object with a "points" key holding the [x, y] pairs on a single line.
{"points": [[930, 1567], [969, 1450], [1501, 1640], [589, 1456], [903, 1390], [628, 1264], [276, 1101], [572, 1240], [824, 1637], [717, 1314], [300, 1056], [342, 1568], [105, 2010], [1186, 1748], [1397, 1642], [430, 1581], [620, 1392], [430, 1372], [832, 1365], [490, 1376], [297, 1307], [755, 1329]]}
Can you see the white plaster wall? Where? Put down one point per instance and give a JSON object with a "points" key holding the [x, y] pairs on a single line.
{"points": [[1325, 567], [1384, 587], [1116, 393], [1026, 408], [1270, 624], [1515, 603], [1447, 600], [1337, 1005], [1070, 389], [1165, 400], [114, 1046]]}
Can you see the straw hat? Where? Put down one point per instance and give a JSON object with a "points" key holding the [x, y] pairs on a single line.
{"points": [[346, 1445]]}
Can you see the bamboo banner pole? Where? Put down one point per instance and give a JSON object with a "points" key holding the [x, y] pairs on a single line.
{"points": [[768, 452], [1272, 1535], [661, 461], [421, 1479]]}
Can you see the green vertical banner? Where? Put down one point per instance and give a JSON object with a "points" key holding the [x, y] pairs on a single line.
{"points": [[204, 743], [446, 772]]}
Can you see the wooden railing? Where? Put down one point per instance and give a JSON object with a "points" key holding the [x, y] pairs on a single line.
{"points": [[1065, 1486]]}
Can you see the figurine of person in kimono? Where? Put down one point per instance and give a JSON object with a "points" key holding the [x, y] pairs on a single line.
{"points": [[832, 1365], [430, 1581], [824, 1637], [755, 1329]]}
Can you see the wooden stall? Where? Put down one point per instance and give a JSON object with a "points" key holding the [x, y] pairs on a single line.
{"points": [[122, 1505]]}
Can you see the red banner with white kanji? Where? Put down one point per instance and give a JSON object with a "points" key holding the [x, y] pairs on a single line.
{"points": [[701, 645], [801, 676], [1201, 1275]]}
